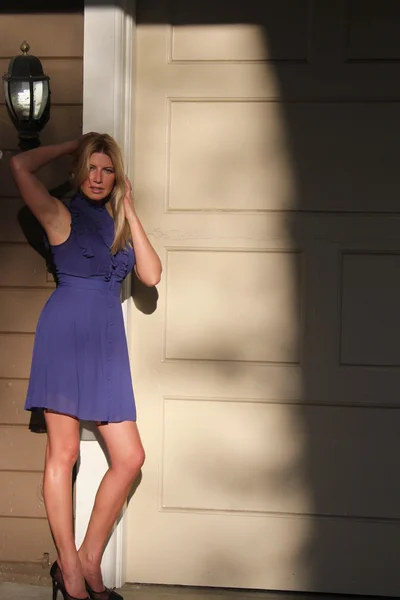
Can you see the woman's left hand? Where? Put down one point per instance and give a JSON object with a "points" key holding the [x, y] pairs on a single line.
{"points": [[129, 207]]}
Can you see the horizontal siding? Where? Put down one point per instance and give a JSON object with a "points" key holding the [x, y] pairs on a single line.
{"points": [[20, 309], [56, 38], [60, 71], [15, 355], [12, 398], [14, 442], [10, 229], [22, 495], [25, 540], [48, 35], [22, 266], [65, 124]]}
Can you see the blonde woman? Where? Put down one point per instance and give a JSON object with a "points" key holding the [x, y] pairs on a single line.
{"points": [[80, 367]]}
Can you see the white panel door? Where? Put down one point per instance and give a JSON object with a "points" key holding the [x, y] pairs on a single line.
{"points": [[267, 366]]}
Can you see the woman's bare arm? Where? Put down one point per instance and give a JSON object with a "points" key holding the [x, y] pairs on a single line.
{"points": [[148, 265], [50, 212]]}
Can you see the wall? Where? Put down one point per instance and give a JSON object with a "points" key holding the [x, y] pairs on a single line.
{"points": [[25, 284]]}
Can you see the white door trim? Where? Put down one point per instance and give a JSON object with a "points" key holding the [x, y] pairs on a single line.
{"points": [[107, 107]]}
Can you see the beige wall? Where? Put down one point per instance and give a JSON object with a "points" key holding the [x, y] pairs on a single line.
{"points": [[57, 39]]}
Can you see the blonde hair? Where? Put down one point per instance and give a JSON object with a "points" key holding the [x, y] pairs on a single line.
{"points": [[104, 144]]}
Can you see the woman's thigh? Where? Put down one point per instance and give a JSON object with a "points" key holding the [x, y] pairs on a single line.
{"points": [[62, 435]]}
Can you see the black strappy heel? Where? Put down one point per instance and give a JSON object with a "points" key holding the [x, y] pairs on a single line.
{"points": [[106, 594], [58, 583]]}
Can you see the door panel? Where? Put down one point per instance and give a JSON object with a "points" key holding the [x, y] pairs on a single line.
{"points": [[267, 368]]}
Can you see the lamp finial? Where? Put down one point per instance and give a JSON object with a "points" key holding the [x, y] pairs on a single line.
{"points": [[25, 47]]}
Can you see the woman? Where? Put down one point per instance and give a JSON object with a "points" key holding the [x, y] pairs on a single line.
{"points": [[80, 367]]}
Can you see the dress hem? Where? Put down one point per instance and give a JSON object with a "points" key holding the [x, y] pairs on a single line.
{"points": [[79, 418]]}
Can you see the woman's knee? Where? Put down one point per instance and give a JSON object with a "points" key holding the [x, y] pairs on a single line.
{"points": [[131, 463], [65, 453], [62, 439]]}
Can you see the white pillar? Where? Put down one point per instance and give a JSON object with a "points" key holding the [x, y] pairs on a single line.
{"points": [[107, 108]]}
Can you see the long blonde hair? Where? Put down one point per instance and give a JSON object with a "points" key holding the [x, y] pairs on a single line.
{"points": [[104, 144]]}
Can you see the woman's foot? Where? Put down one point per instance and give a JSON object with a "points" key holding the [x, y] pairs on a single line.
{"points": [[91, 569], [70, 573]]}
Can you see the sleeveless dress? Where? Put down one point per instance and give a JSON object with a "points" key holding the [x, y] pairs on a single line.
{"points": [[80, 364]]}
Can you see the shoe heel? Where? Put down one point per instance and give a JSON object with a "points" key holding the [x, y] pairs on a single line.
{"points": [[58, 584], [55, 590]]}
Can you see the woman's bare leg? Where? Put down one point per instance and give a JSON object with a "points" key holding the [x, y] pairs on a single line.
{"points": [[126, 457], [61, 455]]}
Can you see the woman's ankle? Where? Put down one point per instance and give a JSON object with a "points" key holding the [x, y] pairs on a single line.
{"points": [[89, 558], [91, 567], [69, 559], [71, 576]]}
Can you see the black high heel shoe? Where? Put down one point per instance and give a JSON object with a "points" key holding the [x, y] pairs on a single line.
{"points": [[58, 583], [106, 594]]}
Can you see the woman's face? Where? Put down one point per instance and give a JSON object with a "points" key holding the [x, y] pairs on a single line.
{"points": [[101, 177]]}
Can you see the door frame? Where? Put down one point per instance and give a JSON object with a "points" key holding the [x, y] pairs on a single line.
{"points": [[108, 80]]}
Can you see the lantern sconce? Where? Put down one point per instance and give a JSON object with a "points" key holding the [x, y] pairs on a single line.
{"points": [[27, 95]]}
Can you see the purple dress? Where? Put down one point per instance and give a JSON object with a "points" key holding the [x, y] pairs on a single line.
{"points": [[80, 365]]}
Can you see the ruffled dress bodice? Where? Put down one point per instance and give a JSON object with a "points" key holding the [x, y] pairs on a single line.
{"points": [[86, 253]]}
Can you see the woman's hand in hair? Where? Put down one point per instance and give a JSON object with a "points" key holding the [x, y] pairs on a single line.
{"points": [[129, 206]]}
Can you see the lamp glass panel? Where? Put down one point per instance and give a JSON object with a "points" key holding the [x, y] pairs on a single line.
{"points": [[40, 96], [7, 95], [20, 98]]}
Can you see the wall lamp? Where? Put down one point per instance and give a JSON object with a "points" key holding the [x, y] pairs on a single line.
{"points": [[27, 94]]}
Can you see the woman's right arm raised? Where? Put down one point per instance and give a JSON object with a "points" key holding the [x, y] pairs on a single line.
{"points": [[50, 212]]}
